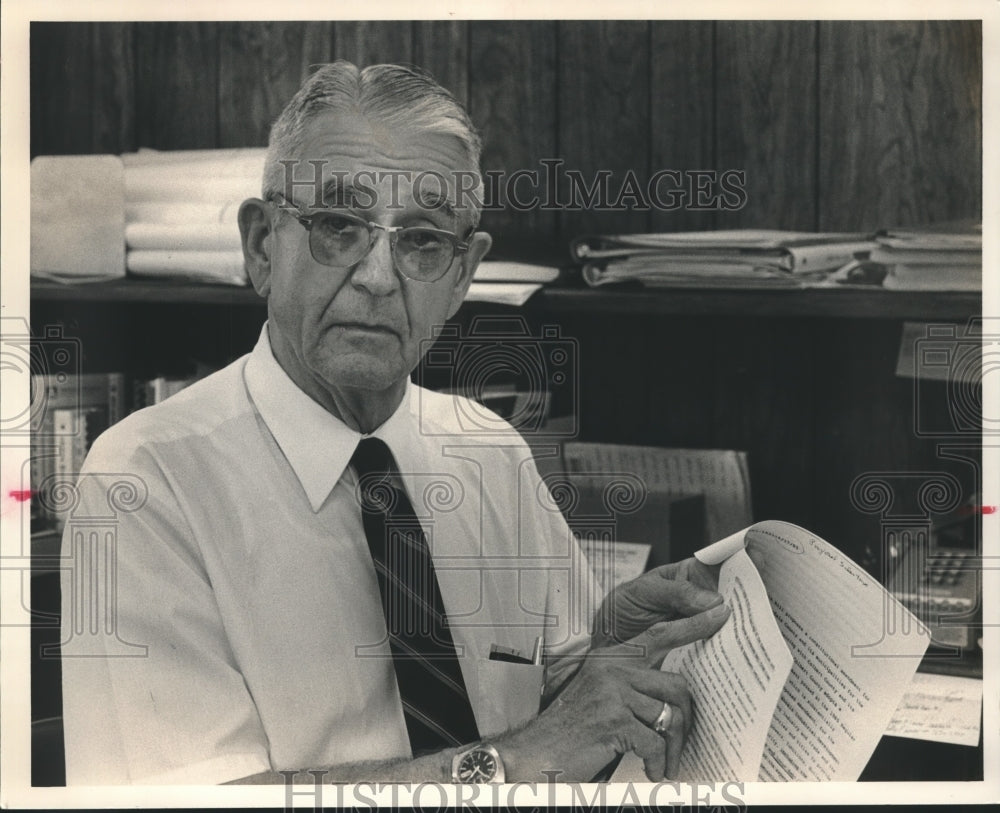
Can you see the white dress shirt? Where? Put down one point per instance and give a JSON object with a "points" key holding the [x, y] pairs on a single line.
{"points": [[221, 614]]}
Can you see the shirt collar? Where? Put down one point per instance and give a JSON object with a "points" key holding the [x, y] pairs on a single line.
{"points": [[317, 445]]}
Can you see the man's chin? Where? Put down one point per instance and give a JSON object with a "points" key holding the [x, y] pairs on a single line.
{"points": [[366, 378]]}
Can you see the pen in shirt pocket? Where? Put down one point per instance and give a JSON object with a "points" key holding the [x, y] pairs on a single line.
{"points": [[511, 655]]}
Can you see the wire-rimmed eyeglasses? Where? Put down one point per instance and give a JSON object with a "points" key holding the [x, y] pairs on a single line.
{"points": [[341, 239]]}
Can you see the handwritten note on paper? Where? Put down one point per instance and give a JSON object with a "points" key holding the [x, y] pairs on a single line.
{"points": [[850, 667], [939, 708], [721, 475]]}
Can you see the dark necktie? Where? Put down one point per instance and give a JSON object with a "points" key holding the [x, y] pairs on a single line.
{"points": [[435, 702]]}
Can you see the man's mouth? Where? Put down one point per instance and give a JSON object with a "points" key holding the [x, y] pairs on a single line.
{"points": [[366, 327]]}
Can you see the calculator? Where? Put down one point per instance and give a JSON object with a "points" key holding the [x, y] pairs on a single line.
{"points": [[941, 586]]}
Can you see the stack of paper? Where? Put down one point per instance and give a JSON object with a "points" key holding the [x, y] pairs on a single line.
{"points": [[77, 217], [508, 283], [737, 258], [935, 258], [180, 212]]}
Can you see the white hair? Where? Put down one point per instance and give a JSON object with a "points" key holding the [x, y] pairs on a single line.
{"points": [[398, 95]]}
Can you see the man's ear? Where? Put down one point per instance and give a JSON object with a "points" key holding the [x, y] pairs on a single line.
{"points": [[256, 232], [479, 244]]}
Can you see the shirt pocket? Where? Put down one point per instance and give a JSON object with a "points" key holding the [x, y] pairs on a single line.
{"points": [[509, 695]]}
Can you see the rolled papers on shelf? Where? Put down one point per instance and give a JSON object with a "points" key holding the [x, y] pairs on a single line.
{"points": [[203, 266], [176, 237]]}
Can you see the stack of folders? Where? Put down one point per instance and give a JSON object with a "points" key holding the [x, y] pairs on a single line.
{"points": [[933, 258], [750, 258], [180, 212]]}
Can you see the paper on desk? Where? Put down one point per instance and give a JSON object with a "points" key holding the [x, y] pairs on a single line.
{"points": [[939, 708], [923, 345], [615, 562], [502, 293], [735, 678], [721, 475]]}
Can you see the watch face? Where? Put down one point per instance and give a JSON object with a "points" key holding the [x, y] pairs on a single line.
{"points": [[477, 767]]}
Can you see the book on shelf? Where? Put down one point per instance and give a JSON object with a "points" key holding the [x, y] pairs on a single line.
{"points": [[739, 257], [805, 675], [76, 430], [939, 257], [69, 411], [149, 391], [65, 408]]}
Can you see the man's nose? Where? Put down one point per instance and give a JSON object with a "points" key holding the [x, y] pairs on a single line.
{"points": [[375, 271]]}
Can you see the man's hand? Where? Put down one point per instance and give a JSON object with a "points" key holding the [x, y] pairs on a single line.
{"points": [[663, 594], [610, 707]]}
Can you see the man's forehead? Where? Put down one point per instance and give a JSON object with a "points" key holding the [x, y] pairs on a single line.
{"points": [[428, 190], [362, 141], [343, 153]]}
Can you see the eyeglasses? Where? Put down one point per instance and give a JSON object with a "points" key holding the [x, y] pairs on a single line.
{"points": [[340, 240]]}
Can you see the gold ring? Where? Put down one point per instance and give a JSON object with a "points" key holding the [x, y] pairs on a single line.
{"points": [[660, 726]]}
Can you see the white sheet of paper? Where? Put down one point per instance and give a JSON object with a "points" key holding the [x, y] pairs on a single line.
{"points": [[855, 648], [503, 293], [502, 271], [939, 708], [736, 679], [615, 562], [721, 475]]}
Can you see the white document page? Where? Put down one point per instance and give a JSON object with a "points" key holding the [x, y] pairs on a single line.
{"points": [[855, 648], [736, 678], [940, 708], [614, 563], [503, 293], [503, 271], [721, 475]]}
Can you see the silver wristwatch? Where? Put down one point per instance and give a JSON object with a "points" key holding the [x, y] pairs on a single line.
{"points": [[477, 765]]}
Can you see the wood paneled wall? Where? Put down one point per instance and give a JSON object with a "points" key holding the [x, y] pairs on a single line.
{"points": [[838, 125]]}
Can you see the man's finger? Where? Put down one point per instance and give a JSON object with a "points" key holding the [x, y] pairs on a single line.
{"points": [[649, 745], [652, 598], [658, 640], [690, 569], [675, 735], [662, 687]]}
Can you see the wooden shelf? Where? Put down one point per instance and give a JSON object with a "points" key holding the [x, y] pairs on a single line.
{"points": [[874, 303], [148, 291], [864, 303]]}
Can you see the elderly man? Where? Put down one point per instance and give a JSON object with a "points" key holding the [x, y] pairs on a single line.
{"points": [[295, 592]]}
